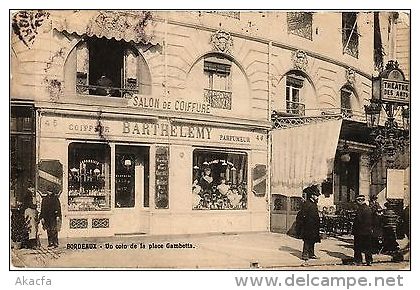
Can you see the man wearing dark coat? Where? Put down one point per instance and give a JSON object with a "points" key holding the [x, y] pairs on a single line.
{"points": [[307, 223], [362, 232], [50, 217]]}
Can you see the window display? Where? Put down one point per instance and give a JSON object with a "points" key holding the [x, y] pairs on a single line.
{"points": [[219, 180], [89, 177]]}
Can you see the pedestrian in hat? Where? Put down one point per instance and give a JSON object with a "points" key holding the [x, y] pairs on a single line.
{"points": [[308, 224], [362, 232], [50, 217]]}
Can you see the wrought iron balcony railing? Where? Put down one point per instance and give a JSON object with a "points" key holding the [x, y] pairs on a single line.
{"points": [[105, 91], [218, 99], [293, 108]]}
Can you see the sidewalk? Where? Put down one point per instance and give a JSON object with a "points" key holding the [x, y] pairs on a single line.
{"points": [[211, 251]]}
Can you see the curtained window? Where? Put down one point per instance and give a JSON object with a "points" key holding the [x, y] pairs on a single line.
{"points": [[107, 67]]}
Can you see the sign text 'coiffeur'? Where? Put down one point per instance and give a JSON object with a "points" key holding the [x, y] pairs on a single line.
{"points": [[169, 104]]}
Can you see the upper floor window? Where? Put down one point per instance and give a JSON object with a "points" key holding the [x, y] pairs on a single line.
{"points": [[300, 23], [346, 109], [350, 35], [294, 98], [219, 90], [107, 67]]}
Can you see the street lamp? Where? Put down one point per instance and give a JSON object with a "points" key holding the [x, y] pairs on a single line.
{"points": [[390, 93]]}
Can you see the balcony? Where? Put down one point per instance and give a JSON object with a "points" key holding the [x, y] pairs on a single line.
{"points": [[218, 99], [296, 109], [106, 91]]}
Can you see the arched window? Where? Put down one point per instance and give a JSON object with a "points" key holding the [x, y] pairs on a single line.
{"points": [[218, 93], [347, 101], [108, 67], [294, 94]]}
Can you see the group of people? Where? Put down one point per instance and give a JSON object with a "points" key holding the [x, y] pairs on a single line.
{"points": [[374, 228], [49, 217], [210, 193]]}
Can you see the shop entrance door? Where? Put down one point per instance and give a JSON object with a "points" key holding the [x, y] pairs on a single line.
{"points": [[131, 202]]}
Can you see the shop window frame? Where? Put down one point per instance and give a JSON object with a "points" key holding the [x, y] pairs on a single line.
{"points": [[233, 194], [93, 198]]}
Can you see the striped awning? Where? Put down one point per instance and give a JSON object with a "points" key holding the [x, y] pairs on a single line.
{"points": [[303, 153], [136, 25], [49, 176]]}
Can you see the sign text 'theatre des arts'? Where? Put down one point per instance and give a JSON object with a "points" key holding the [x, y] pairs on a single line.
{"points": [[147, 102]]}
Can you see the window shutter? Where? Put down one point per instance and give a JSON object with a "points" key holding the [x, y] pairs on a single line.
{"points": [[130, 72], [216, 67], [82, 68], [294, 81]]}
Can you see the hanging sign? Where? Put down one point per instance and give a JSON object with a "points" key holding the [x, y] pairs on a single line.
{"points": [[395, 91]]}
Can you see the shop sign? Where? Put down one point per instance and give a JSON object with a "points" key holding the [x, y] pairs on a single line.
{"points": [[162, 177], [146, 129], [178, 105], [395, 91], [49, 176], [166, 130]]}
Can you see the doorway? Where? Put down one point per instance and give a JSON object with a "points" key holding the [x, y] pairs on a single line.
{"points": [[131, 202]]}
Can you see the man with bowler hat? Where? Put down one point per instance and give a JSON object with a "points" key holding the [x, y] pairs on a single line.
{"points": [[307, 223], [362, 232], [50, 217]]}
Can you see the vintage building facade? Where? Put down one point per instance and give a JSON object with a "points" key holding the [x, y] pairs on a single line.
{"points": [[161, 122]]}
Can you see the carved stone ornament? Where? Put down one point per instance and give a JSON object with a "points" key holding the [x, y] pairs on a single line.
{"points": [[351, 76], [222, 41], [300, 60]]}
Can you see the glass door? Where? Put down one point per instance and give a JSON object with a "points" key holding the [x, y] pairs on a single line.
{"points": [[131, 189]]}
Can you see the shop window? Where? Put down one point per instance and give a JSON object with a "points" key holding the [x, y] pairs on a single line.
{"points": [[296, 203], [107, 67], [350, 35], [294, 99], [346, 110], [219, 180], [279, 202], [300, 23], [219, 91], [89, 177]]}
